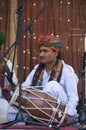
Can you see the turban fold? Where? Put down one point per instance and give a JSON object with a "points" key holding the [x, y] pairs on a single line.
{"points": [[50, 41]]}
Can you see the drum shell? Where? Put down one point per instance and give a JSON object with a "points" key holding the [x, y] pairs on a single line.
{"points": [[40, 106]]}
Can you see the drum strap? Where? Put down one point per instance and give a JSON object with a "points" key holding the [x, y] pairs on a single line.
{"points": [[55, 74], [39, 69]]}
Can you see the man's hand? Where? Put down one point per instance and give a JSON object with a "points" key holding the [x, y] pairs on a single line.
{"points": [[2, 65], [69, 118], [7, 87]]}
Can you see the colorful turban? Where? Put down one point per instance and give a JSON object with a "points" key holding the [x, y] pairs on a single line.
{"points": [[50, 41]]}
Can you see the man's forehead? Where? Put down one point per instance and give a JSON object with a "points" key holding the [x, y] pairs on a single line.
{"points": [[44, 48]]}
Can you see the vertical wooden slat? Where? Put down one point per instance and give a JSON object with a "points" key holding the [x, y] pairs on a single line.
{"points": [[13, 30], [66, 18]]}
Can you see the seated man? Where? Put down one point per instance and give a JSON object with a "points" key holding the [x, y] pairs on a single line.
{"points": [[5, 69], [54, 75]]}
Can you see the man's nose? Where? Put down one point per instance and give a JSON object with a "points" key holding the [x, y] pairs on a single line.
{"points": [[41, 53]]}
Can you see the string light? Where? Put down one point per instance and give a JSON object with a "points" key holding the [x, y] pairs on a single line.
{"points": [[68, 2], [24, 36], [68, 20], [2, 3], [34, 4], [28, 18], [57, 35], [67, 47], [34, 58], [24, 51], [81, 39], [34, 37], [51, 17], [24, 67], [34, 33], [41, 18], [28, 33], [61, 2], [42, 3], [17, 66], [78, 50], [52, 34], [60, 19], [27, 68], [34, 50], [1, 18], [28, 52], [35, 21]]}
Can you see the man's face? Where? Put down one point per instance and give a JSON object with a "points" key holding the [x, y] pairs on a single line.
{"points": [[47, 55]]}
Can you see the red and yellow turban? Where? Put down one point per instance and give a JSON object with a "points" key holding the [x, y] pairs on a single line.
{"points": [[50, 41]]}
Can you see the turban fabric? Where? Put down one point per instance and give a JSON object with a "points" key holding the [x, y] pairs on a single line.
{"points": [[50, 41]]}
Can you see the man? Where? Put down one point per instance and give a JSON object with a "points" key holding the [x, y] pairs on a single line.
{"points": [[5, 81], [7, 77], [54, 76]]}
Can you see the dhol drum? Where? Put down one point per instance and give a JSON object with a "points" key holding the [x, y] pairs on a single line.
{"points": [[39, 105]]}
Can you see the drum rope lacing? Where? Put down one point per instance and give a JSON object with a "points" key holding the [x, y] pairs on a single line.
{"points": [[36, 92]]}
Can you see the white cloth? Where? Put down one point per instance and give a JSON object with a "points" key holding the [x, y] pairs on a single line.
{"points": [[12, 112], [67, 86], [3, 110], [55, 89], [14, 77], [0, 91]]}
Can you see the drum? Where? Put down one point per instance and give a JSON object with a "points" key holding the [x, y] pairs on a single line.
{"points": [[39, 105]]}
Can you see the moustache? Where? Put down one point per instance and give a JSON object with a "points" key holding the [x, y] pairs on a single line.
{"points": [[41, 57]]}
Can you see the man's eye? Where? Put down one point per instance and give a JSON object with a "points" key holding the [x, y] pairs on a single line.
{"points": [[43, 50]]}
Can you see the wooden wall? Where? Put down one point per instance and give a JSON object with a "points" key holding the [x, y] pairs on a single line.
{"points": [[65, 18]]}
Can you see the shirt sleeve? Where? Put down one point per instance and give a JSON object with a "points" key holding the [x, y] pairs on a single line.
{"points": [[71, 84], [14, 77], [28, 81]]}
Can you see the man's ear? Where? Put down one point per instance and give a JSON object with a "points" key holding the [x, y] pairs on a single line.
{"points": [[56, 52]]}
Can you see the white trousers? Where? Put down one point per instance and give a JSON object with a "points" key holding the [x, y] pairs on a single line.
{"points": [[3, 110], [53, 88], [56, 90]]}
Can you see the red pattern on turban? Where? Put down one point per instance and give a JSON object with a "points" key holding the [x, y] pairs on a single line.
{"points": [[50, 41]]}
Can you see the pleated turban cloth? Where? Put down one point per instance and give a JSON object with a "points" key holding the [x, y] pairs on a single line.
{"points": [[50, 41]]}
